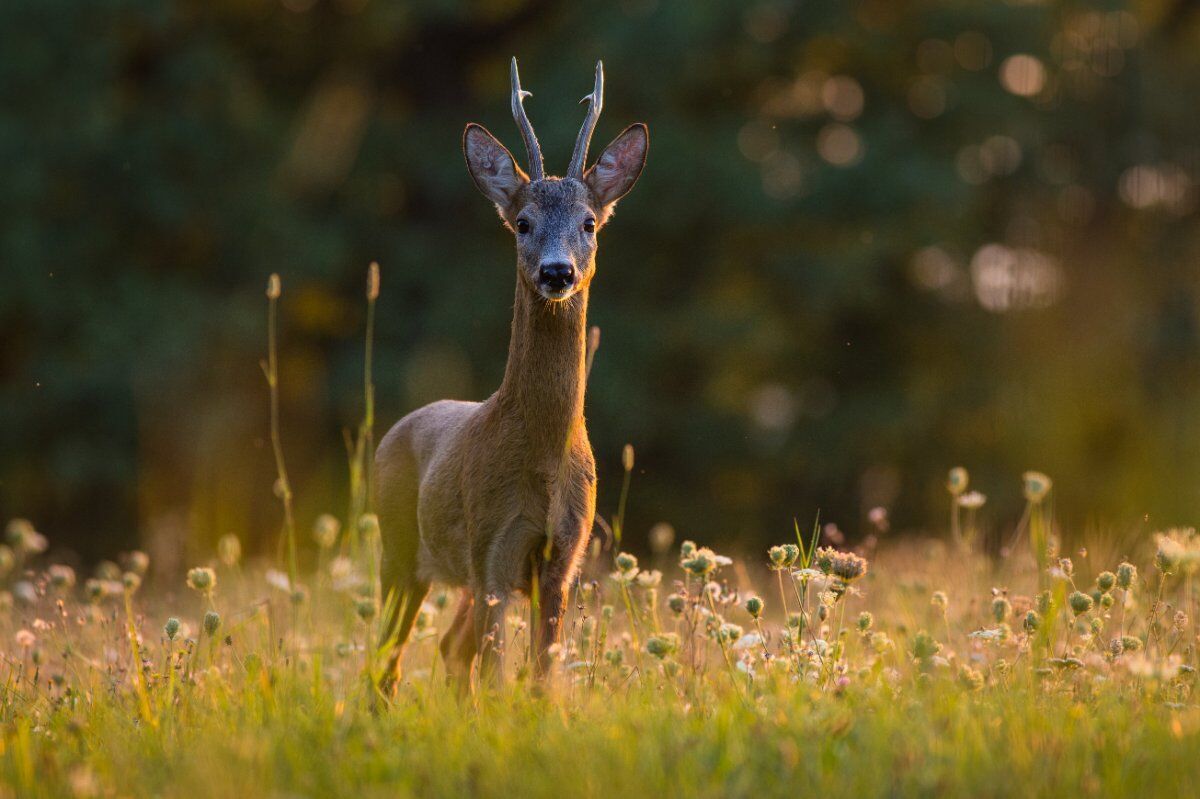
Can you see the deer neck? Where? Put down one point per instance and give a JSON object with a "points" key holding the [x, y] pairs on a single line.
{"points": [[544, 382]]}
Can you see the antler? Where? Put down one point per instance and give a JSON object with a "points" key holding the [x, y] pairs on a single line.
{"points": [[536, 169], [595, 102]]}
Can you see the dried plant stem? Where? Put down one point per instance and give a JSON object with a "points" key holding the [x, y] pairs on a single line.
{"points": [[271, 369]]}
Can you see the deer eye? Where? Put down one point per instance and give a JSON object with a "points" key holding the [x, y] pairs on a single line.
{"points": [[522, 226], [589, 225]]}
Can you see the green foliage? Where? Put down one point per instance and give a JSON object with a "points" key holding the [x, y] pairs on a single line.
{"points": [[777, 330]]}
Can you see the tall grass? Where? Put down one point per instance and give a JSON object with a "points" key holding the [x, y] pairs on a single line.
{"points": [[911, 667]]}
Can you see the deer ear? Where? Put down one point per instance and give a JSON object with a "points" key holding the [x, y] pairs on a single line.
{"points": [[492, 166], [619, 166]]}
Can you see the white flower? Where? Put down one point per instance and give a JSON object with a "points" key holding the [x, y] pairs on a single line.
{"points": [[748, 640], [277, 579], [972, 500]]}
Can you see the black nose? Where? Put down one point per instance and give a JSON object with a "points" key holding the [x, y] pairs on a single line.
{"points": [[556, 276]]}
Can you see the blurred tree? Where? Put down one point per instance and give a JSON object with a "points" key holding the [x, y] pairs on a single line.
{"points": [[873, 241]]}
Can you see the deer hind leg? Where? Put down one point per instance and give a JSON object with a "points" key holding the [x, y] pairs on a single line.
{"points": [[458, 644], [402, 589]]}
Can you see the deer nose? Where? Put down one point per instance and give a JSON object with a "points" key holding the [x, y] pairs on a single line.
{"points": [[556, 276]]}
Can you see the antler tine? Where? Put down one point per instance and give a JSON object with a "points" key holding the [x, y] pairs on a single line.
{"points": [[536, 168], [595, 102]]}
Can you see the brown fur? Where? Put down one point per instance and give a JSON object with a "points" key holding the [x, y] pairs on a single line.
{"points": [[468, 492]]}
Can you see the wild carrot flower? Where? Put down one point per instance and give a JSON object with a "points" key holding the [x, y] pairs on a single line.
{"points": [[61, 577], [972, 500], [754, 606], [25, 639], [845, 565]]}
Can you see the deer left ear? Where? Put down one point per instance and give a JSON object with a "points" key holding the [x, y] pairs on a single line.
{"points": [[619, 165]]}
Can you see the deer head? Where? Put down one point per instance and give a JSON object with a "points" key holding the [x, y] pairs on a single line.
{"points": [[555, 220]]}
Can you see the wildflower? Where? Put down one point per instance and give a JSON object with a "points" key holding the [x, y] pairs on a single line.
{"points": [[202, 579], [17, 531], [1116, 646], [365, 608], [649, 579], [1126, 576], [368, 526], [1170, 553], [212, 623], [728, 633], [956, 482], [131, 581], [754, 606], [661, 646], [972, 500], [25, 639], [1032, 621], [326, 530], [1043, 603], [778, 557], [171, 628], [1131, 643], [1036, 486], [939, 600], [626, 563], [969, 678], [1066, 566], [845, 565], [687, 549], [61, 576], [748, 641], [703, 562], [1180, 622], [138, 562], [1080, 602], [94, 589], [1001, 608], [1107, 601], [676, 604], [1105, 581], [229, 550], [879, 518], [662, 535], [924, 646], [865, 620]]}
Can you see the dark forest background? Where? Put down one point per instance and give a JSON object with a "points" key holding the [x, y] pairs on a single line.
{"points": [[874, 240]]}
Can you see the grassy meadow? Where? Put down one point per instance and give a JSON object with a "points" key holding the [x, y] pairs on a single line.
{"points": [[905, 666], [918, 668]]}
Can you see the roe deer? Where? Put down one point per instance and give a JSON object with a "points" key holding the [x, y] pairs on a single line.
{"points": [[479, 494]]}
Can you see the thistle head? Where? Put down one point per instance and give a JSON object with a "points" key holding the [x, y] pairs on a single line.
{"points": [[212, 623]]}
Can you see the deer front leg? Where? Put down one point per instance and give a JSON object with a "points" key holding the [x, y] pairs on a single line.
{"points": [[489, 635], [568, 548]]}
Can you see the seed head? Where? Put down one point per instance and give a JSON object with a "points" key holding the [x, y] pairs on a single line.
{"points": [[627, 564], [627, 457], [365, 608], [274, 287], [676, 603], [957, 481], [138, 561], [202, 579], [229, 550], [939, 600], [924, 646], [373, 281], [1080, 602], [212, 623], [171, 628], [1032, 621], [368, 526], [61, 576], [1067, 566], [325, 530], [1001, 608], [1036, 486], [1105, 581], [1131, 643], [1126, 575], [132, 581], [728, 633], [661, 646], [1106, 601], [754, 606], [865, 620]]}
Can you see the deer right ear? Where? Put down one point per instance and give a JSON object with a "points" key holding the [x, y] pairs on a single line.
{"points": [[492, 166]]}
